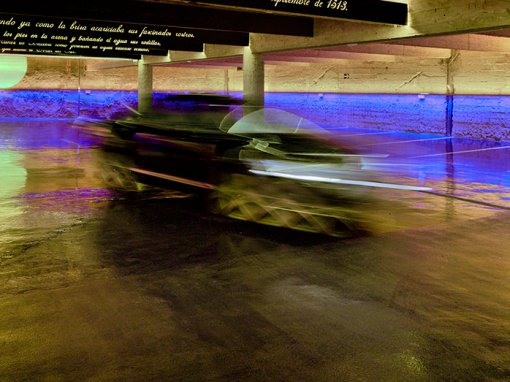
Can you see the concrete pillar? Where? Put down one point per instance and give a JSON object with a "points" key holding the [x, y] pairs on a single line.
{"points": [[144, 87], [253, 78], [226, 81], [450, 163], [449, 115], [450, 91]]}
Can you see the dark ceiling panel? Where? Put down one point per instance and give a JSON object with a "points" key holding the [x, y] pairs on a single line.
{"points": [[32, 35], [52, 51], [378, 11], [165, 14], [220, 37]]}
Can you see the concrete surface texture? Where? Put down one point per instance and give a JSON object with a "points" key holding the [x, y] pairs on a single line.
{"points": [[406, 93], [97, 286], [474, 72]]}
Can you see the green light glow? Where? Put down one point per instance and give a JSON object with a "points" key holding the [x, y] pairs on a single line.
{"points": [[13, 180], [12, 70]]}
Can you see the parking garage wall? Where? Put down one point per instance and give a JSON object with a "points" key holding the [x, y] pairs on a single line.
{"points": [[479, 117], [474, 116], [409, 97]]}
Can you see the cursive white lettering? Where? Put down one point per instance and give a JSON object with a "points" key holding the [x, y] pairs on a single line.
{"points": [[77, 26], [153, 32], [8, 22], [80, 47], [151, 42], [118, 29], [90, 39], [185, 34], [296, 2], [44, 25], [24, 24]]}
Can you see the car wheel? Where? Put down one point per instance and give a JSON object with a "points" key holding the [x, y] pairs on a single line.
{"points": [[282, 204], [119, 178]]}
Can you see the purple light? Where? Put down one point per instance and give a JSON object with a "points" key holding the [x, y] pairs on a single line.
{"points": [[479, 117]]}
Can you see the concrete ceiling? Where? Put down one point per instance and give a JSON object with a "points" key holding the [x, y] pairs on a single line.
{"points": [[439, 47], [434, 29]]}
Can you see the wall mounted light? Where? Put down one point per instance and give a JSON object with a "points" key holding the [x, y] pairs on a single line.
{"points": [[12, 70]]}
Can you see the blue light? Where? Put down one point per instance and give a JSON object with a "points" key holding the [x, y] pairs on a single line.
{"points": [[479, 117]]}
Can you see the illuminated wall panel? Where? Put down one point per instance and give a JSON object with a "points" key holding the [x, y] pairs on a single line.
{"points": [[65, 103], [479, 117], [377, 111], [482, 117], [410, 113]]}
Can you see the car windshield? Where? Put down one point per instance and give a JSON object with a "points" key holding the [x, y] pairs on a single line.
{"points": [[267, 121]]}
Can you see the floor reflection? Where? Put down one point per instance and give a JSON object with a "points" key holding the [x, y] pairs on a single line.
{"points": [[13, 181], [151, 287], [426, 305], [59, 171]]}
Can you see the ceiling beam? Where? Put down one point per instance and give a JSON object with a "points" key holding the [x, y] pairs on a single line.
{"points": [[116, 64], [216, 55], [396, 50], [499, 33], [457, 16], [228, 64], [210, 52], [206, 65], [270, 62], [474, 42], [326, 56]]}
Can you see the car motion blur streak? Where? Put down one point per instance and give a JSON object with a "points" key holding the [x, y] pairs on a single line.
{"points": [[256, 164]]}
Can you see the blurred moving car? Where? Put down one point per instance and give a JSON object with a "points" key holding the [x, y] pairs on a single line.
{"points": [[261, 165]]}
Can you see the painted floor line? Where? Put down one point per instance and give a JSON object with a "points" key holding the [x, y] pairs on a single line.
{"points": [[414, 140], [461, 152], [364, 134], [467, 200]]}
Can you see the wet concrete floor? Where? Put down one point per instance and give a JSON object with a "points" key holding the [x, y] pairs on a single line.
{"points": [[98, 286]]}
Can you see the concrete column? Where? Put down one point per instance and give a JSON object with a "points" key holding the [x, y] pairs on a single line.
{"points": [[450, 91], [144, 87], [226, 81], [450, 163], [449, 115], [253, 78]]}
